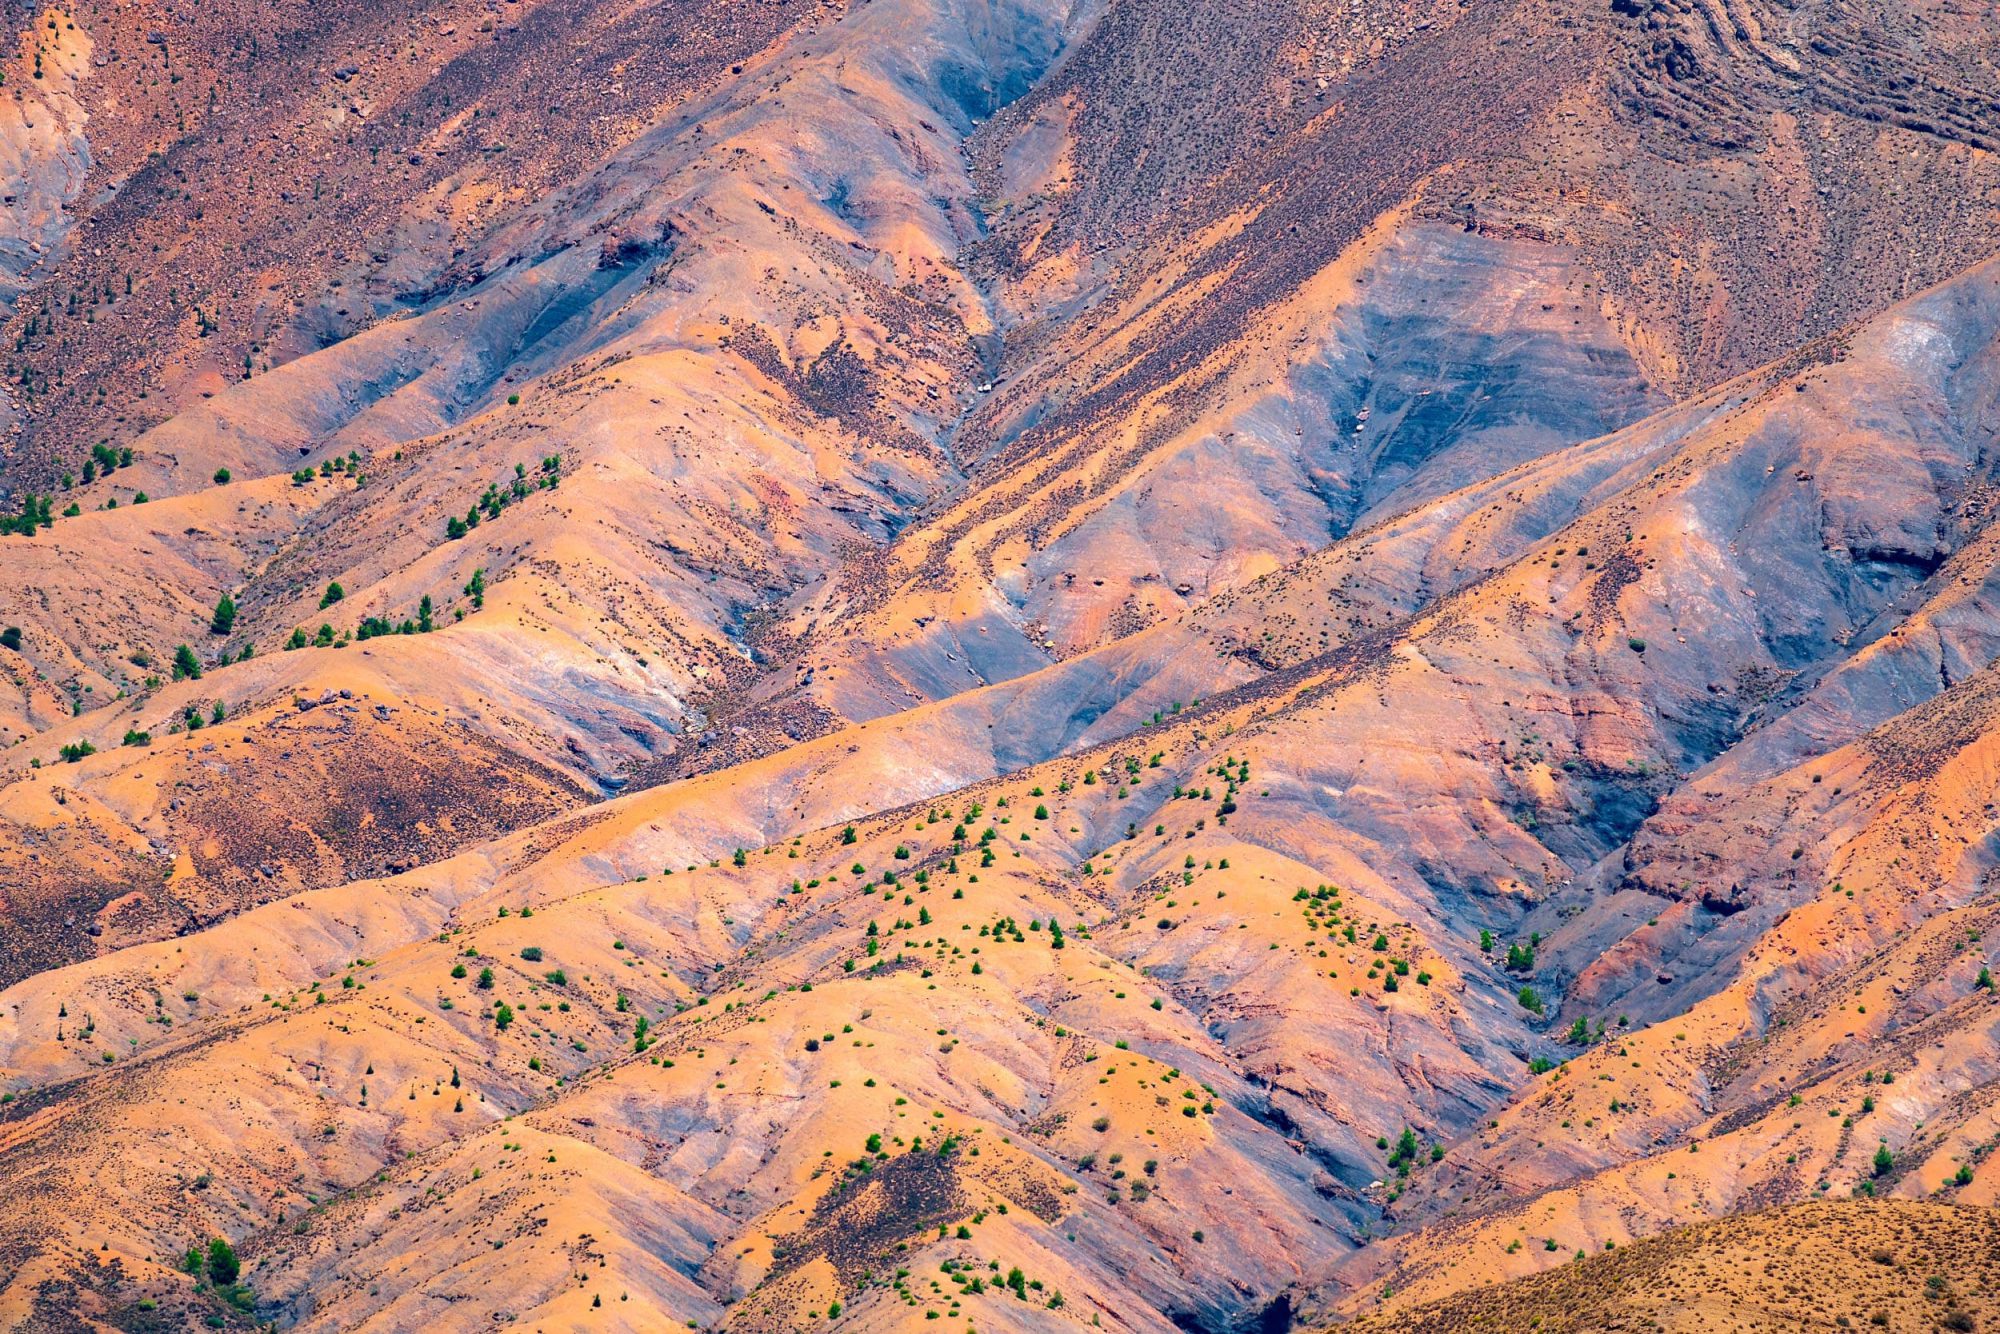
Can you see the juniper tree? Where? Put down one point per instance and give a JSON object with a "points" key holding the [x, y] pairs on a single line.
{"points": [[223, 1266]]}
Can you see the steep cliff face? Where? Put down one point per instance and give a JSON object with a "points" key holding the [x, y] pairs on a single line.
{"points": [[1134, 665]]}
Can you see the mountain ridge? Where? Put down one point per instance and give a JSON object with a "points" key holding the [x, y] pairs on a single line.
{"points": [[1140, 666]]}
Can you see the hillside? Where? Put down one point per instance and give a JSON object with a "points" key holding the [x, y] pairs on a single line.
{"points": [[1877, 1265], [843, 665]]}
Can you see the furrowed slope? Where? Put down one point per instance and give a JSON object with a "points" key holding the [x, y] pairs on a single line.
{"points": [[1297, 871], [726, 500], [846, 666], [1361, 305], [646, 427]]}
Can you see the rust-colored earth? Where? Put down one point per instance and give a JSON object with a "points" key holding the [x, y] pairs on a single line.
{"points": [[1143, 666]]}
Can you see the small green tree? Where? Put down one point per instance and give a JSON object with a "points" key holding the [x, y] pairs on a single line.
{"points": [[1884, 1160], [187, 667], [224, 618], [334, 593], [223, 1266]]}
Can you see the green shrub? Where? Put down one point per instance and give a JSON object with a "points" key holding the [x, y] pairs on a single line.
{"points": [[223, 1266]]}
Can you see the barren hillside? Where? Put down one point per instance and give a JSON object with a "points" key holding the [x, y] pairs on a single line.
{"points": [[771, 665]]}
